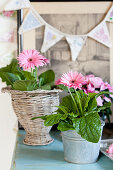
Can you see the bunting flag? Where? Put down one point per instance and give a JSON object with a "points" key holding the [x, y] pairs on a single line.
{"points": [[109, 16], [51, 37], [17, 4], [30, 22], [76, 43], [7, 37], [101, 34]]}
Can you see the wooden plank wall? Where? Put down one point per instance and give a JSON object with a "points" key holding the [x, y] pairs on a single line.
{"points": [[94, 57]]}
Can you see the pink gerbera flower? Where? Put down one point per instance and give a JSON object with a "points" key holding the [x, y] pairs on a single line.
{"points": [[57, 82], [31, 59], [72, 79]]}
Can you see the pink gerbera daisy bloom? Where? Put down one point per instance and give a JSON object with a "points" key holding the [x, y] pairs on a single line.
{"points": [[71, 79], [31, 59], [57, 82]]}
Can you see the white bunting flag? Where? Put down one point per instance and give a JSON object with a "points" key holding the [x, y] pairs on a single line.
{"points": [[109, 16], [17, 4], [30, 22], [51, 37], [100, 33], [76, 43]]}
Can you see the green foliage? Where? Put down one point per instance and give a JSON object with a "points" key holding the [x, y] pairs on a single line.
{"points": [[27, 75], [24, 80], [64, 88], [7, 73], [89, 127], [65, 125], [46, 87], [46, 78], [25, 85], [82, 117], [104, 113], [9, 78]]}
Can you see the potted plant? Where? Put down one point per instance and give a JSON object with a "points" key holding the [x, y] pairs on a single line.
{"points": [[78, 120], [93, 84], [32, 95]]}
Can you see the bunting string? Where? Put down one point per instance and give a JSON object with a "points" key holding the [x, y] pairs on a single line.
{"points": [[52, 35]]}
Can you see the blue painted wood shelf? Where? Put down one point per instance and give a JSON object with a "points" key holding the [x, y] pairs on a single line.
{"points": [[50, 157]]}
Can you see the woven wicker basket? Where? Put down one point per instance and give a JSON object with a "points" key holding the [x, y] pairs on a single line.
{"points": [[28, 104]]}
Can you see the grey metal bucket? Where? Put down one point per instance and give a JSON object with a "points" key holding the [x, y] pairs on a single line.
{"points": [[78, 150]]}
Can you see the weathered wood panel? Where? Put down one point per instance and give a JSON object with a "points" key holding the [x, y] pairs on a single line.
{"points": [[94, 57]]}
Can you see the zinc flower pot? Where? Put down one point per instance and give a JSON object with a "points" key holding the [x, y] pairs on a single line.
{"points": [[78, 150], [29, 104]]}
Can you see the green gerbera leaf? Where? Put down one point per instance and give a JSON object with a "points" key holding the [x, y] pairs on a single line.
{"points": [[7, 73], [46, 78], [42, 117], [52, 119], [25, 85], [9, 78], [27, 75], [89, 127], [106, 105], [65, 88], [46, 87], [64, 126]]}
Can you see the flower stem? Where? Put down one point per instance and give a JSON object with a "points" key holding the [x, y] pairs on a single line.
{"points": [[36, 75], [80, 106], [31, 71], [74, 101]]}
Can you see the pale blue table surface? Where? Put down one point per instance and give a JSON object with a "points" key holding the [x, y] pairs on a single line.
{"points": [[50, 157]]}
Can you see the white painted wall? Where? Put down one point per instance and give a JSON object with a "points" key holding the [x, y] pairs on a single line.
{"points": [[8, 120], [2, 4], [8, 130]]}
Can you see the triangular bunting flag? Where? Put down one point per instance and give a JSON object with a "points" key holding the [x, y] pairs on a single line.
{"points": [[51, 37], [76, 43], [109, 16], [17, 4], [30, 22], [101, 34]]}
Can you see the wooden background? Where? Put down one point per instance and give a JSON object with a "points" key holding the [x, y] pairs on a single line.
{"points": [[94, 58]]}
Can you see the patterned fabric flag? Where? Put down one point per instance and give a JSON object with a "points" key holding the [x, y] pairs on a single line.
{"points": [[76, 43], [101, 34], [30, 22], [51, 37], [109, 16], [7, 37], [17, 4]]}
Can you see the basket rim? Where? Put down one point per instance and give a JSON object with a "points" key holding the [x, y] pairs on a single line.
{"points": [[9, 90]]}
